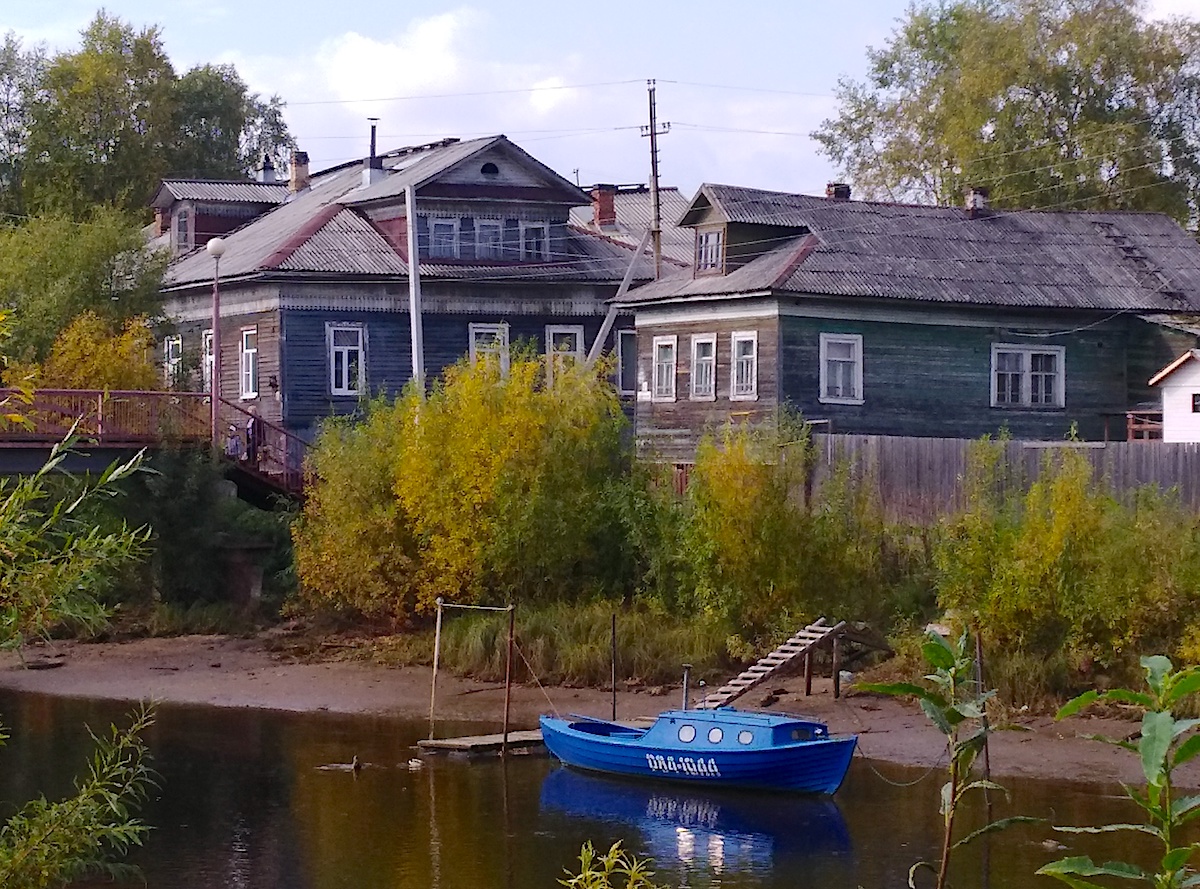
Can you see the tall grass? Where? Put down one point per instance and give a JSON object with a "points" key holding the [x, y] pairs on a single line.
{"points": [[571, 644]]}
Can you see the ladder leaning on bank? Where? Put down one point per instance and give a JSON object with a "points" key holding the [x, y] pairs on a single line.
{"points": [[813, 636]]}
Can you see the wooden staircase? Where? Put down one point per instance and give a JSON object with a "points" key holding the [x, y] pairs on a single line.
{"points": [[813, 636]]}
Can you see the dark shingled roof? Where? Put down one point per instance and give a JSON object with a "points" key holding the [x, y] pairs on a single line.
{"points": [[1109, 261]]}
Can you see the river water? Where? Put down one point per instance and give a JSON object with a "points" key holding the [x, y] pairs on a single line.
{"points": [[261, 799]]}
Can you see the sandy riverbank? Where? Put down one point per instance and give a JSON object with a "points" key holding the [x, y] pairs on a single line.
{"points": [[227, 672]]}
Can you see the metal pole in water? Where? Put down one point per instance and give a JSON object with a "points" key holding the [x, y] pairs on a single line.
{"points": [[687, 679], [437, 646], [614, 666], [512, 622]]}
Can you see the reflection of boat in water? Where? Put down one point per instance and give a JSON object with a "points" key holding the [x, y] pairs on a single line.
{"points": [[729, 829], [721, 746]]}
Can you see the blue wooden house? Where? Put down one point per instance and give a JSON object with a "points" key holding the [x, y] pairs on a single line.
{"points": [[891, 319], [315, 295]]}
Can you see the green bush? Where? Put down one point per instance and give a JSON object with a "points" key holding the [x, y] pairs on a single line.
{"points": [[1067, 576], [496, 487]]}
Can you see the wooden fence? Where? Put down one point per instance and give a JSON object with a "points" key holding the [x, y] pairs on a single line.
{"points": [[919, 479]]}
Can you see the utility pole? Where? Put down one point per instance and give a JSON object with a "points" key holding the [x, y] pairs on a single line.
{"points": [[654, 132]]}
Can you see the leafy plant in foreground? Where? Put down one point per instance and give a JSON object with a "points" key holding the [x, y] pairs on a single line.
{"points": [[955, 704], [1165, 744], [615, 868]]}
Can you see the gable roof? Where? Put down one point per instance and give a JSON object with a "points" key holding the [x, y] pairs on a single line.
{"points": [[1189, 355], [227, 191], [1117, 261], [323, 229]]}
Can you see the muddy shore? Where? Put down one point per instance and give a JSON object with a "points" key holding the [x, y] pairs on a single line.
{"points": [[231, 672]]}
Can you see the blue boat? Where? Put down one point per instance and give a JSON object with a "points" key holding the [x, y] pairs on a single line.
{"points": [[723, 746]]}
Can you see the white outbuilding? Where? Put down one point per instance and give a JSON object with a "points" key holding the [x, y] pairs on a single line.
{"points": [[1179, 383]]}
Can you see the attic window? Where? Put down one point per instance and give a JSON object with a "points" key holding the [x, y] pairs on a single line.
{"points": [[489, 169]]}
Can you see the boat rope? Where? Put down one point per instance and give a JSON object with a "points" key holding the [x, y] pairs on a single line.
{"points": [[937, 766], [533, 673]]}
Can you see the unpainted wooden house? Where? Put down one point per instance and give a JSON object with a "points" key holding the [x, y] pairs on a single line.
{"points": [[894, 319], [314, 293]]}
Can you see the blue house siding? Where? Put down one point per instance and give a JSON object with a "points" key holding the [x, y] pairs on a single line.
{"points": [[306, 372], [933, 379]]}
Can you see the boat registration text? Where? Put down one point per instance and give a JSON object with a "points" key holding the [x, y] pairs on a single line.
{"points": [[686, 765]]}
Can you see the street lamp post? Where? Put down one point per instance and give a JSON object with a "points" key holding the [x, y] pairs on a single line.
{"points": [[216, 249]]}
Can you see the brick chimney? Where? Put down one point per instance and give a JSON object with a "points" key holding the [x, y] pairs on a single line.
{"points": [[839, 191], [976, 199], [299, 180], [604, 209]]}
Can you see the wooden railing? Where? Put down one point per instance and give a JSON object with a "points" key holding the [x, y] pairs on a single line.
{"points": [[114, 418], [119, 418], [1143, 425]]}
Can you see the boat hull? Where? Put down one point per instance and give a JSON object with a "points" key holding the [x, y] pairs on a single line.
{"points": [[816, 766]]}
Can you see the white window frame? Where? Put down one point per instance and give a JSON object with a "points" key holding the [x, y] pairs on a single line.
{"points": [[498, 226], [331, 350], [854, 339], [454, 224], [172, 358], [248, 365], [500, 331], [206, 358], [182, 228], [1026, 351], [749, 393], [695, 394], [544, 227], [665, 392], [575, 330], [710, 254], [626, 353]]}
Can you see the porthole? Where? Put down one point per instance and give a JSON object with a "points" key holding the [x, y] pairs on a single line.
{"points": [[687, 733], [745, 737], [715, 735]]}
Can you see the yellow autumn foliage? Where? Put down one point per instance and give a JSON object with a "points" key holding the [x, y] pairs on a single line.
{"points": [[90, 353], [496, 487]]}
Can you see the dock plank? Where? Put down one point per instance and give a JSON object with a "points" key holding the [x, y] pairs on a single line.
{"points": [[522, 740]]}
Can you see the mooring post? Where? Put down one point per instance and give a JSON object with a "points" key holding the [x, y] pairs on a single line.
{"points": [[808, 672], [687, 681], [837, 666], [614, 666], [512, 624], [437, 646]]}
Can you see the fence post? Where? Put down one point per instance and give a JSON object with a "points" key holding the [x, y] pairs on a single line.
{"points": [[808, 673], [437, 645], [512, 623], [837, 666]]}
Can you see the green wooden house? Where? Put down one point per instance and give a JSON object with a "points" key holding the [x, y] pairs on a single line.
{"points": [[897, 319]]}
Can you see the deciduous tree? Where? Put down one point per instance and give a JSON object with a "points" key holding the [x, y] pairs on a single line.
{"points": [[1079, 104]]}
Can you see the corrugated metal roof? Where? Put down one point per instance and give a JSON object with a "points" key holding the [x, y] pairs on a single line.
{"points": [[318, 231], [634, 213], [226, 191], [346, 243], [1032, 259]]}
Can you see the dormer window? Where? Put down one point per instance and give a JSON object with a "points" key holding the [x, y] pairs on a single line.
{"points": [[183, 225], [443, 238], [535, 241], [710, 251]]}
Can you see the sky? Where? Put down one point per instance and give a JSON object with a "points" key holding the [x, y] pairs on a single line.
{"points": [[741, 85]]}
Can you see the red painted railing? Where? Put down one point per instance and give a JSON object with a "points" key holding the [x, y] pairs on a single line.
{"points": [[113, 418], [1143, 425], [118, 418]]}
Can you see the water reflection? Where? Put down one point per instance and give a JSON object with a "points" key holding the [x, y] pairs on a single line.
{"points": [[245, 802], [703, 830]]}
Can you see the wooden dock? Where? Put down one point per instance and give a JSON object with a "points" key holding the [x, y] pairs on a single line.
{"points": [[480, 744]]}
